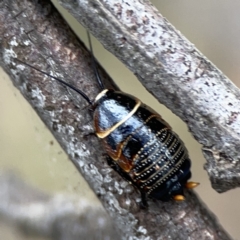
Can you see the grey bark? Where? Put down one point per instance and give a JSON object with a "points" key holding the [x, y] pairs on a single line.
{"points": [[176, 73], [35, 33], [58, 217]]}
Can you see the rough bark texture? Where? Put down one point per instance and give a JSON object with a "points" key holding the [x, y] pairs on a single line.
{"points": [[35, 33], [176, 73]]}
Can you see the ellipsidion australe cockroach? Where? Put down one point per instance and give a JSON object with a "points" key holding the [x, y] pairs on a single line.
{"points": [[141, 146]]}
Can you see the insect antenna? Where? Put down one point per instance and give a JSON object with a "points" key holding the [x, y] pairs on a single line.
{"points": [[59, 80], [99, 80]]}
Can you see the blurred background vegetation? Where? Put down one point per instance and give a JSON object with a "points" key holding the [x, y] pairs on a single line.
{"points": [[27, 147]]}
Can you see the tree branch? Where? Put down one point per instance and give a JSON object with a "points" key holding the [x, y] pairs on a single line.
{"points": [[58, 216], [35, 33], [176, 73]]}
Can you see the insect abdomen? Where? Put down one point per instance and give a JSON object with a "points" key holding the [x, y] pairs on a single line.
{"points": [[162, 168], [142, 144]]}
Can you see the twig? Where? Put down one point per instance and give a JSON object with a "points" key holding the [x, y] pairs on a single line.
{"points": [[63, 217], [176, 73], [35, 33]]}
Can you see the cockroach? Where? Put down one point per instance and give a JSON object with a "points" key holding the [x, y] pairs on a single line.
{"points": [[141, 146]]}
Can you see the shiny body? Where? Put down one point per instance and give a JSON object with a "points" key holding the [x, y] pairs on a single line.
{"points": [[141, 145]]}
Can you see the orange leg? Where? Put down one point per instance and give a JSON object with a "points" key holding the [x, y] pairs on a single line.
{"points": [[191, 185], [179, 198]]}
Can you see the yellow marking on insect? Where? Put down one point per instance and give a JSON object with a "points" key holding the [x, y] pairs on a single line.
{"points": [[191, 185], [179, 198], [100, 95], [105, 133], [177, 166], [120, 147], [152, 116]]}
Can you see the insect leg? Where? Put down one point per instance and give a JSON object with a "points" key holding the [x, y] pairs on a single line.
{"points": [[190, 185]]}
